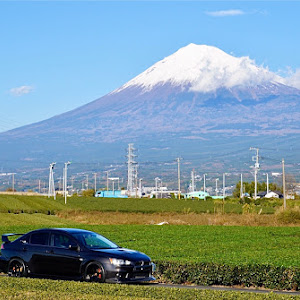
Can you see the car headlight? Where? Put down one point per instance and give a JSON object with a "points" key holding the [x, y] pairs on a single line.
{"points": [[153, 267], [119, 262]]}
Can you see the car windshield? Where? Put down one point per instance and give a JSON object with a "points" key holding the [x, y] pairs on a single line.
{"points": [[93, 240]]}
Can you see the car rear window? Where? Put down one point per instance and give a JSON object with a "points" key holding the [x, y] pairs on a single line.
{"points": [[40, 238]]}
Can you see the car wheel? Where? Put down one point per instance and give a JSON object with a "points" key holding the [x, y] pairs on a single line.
{"points": [[94, 272], [17, 268]]}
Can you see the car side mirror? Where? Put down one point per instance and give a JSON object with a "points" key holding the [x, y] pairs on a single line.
{"points": [[74, 248]]}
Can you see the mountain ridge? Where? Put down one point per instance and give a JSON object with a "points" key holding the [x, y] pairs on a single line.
{"points": [[168, 111]]}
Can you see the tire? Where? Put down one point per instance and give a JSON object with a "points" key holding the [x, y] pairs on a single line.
{"points": [[17, 268], [94, 272]]}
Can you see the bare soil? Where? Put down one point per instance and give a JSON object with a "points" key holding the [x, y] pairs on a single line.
{"points": [[96, 217]]}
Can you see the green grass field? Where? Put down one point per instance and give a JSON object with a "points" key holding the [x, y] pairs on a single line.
{"points": [[36, 289], [169, 245], [38, 219], [16, 203], [233, 245]]}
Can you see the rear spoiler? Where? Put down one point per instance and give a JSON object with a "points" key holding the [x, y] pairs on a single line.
{"points": [[7, 235]]}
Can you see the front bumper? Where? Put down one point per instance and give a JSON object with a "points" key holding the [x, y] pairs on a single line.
{"points": [[127, 274]]}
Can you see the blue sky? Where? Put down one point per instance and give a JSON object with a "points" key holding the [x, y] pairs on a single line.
{"points": [[56, 56]]}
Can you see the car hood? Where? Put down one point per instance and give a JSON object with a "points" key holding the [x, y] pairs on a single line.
{"points": [[123, 253]]}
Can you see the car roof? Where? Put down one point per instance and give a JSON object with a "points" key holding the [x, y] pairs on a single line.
{"points": [[67, 230]]}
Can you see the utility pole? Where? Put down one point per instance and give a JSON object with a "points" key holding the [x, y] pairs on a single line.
{"points": [[241, 188], [161, 189], [39, 186], [65, 180], [107, 179], [217, 179], [13, 183], [204, 185], [223, 186], [51, 191], [87, 181], [283, 185], [140, 187], [95, 182], [256, 168], [223, 192], [178, 163], [136, 180], [113, 179], [156, 187], [267, 183], [193, 181]]}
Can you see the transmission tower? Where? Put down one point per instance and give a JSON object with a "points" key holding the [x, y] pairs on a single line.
{"points": [[51, 191], [132, 169], [178, 159], [256, 168]]}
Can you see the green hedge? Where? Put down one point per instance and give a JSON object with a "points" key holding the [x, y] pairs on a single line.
{"points": [[267, 276], [29, 211]]}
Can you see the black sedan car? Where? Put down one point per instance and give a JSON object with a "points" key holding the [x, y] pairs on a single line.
{"points": [[73, 253]]}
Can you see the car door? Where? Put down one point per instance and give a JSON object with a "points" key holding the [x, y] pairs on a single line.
{"points": [[65, 259], [37, 250]]}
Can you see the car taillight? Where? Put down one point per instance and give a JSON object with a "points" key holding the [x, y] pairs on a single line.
{"points": [[2, 246]]}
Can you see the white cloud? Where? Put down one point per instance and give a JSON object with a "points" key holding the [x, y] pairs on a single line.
{"points": [[21, 90], [225, 13], [293, 79]]}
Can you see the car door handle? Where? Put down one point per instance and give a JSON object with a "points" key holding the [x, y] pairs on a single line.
{"points": [[24, 249], [49, 251]]}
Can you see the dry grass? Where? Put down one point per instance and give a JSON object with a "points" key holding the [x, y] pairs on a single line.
{"points": [[118, 218]]}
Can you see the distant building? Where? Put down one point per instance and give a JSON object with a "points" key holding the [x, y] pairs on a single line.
{"points": [[111, 194], [271, 194], [197, 194]]}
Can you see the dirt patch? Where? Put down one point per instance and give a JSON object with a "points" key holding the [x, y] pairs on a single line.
{"points": [[96, 217]]}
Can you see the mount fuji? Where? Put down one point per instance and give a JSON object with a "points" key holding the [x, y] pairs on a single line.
{"points": [[199, 99]]}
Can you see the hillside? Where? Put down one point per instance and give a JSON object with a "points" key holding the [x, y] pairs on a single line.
{"points": [[197, 97]]}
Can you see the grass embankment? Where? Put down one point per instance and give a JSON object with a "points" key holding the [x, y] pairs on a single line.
{"points": [[37, 219], [34, 289], [90, 210], [17, 203]]}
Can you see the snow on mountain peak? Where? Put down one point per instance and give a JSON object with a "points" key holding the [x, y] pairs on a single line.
{"points": [[203, 69]]}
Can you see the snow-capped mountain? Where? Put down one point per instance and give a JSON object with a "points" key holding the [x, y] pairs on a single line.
{"points": [[198, 95], [203, 69]]}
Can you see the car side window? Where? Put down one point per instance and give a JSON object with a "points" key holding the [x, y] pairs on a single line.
{"points": [[39, 238], [62, 240]]}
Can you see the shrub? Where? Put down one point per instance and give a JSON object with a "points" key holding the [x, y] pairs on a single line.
{"points": [[287, 216], [273, 277], [88, 193]]}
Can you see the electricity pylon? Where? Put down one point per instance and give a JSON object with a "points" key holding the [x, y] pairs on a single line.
{"points": [[132, 169], [51, 190]]}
